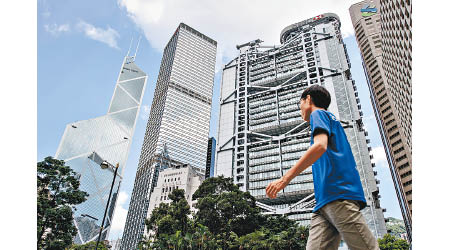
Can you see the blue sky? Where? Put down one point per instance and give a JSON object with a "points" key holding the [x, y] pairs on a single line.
{"points": [[81, 45]]}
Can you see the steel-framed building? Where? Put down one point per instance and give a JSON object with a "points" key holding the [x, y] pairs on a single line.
{"points": [[178, 126], [261, 133]]}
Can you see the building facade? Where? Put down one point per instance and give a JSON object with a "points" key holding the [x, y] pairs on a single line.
{"points": [[178, 126], [178, 177], [86, 144], [390, 91], [210, 158], [261, 133], [396, 40]]}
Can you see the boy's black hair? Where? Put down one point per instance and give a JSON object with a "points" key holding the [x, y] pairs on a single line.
{"points": [[319, 96]]}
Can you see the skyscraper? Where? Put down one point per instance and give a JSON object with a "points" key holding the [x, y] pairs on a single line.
{"points": [[388, 77], [210, 158], [86, 144], [261, 133], [178, 126]]}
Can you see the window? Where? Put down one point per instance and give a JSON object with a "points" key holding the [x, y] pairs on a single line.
{"points": [[394, 135], [405, 174], [401, 158], [399, 150], [403, 166]]}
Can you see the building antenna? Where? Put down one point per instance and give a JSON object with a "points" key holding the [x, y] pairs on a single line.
{"points": [[137, 47], [130, 46]]}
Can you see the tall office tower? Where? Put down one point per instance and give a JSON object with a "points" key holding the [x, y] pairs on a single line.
{"points": [[396, 40], [210, 158], [86, 144], [261, 133], [178, 126], [386, 92]]}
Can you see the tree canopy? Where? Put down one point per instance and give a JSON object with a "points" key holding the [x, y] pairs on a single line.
{"points": [[57, 191], [226, 218], [89, 246], [390, 242]]}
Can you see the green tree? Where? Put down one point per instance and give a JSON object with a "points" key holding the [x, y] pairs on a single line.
{"points": [[389, 242], [57, 190], [89, 246], [227, 218], [169, 223], [223, 208]]}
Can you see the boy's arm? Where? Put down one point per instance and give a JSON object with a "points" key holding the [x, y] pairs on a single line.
{"points": [[311, 155]]}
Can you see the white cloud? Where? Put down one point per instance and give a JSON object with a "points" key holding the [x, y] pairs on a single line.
{"points": [[55, 29], [379, 156], [120, 216], [145, 112], [229, 22], [107, 36]]}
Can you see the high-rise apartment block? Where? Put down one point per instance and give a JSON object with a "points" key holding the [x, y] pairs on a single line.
{"points": [[178, 126], [86, 144], [383, 34], [261, 133], [210, 158]]}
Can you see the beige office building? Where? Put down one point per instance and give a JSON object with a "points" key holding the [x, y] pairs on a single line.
{"points": [[383, 32], [183, 177]]}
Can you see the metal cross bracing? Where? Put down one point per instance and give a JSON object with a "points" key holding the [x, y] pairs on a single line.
{"points": [[304, 205], [268, 135], [268, 88]]}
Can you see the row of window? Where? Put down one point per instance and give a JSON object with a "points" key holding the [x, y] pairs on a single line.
{"points": [[171, 179]]}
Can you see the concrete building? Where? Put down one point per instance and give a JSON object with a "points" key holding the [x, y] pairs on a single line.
{"points": [[396, 40], [178, 126], [387, 65], [178, 177], [210, 158], [86, 144], [261, 133]]}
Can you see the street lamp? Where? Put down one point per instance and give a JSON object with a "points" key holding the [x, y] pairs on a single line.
{"points": [[105, 165], [87, 215]]}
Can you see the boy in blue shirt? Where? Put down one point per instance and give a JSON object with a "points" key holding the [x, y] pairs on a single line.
{"points": [[337, 186]]}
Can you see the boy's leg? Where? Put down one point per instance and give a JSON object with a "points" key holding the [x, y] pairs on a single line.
{"points": [[346, 217], [322, 235]]}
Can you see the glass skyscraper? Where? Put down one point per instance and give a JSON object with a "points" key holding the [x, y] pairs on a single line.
{"points": [[261, 133], [86, 144], [178, 126]]}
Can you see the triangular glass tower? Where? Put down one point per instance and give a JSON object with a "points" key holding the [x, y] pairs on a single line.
{"points": [[85, 144]]}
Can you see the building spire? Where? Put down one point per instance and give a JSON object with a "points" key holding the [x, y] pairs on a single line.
{"points": [[130, 46], [137, 47]]}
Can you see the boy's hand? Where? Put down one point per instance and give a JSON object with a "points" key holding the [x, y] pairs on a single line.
{"points": [[274, 187]]}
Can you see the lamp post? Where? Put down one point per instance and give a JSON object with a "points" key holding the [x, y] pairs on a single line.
{"points": [[106, 165]]}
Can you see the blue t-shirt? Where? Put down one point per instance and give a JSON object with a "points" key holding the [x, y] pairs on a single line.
{"points": [[334, 173]]}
